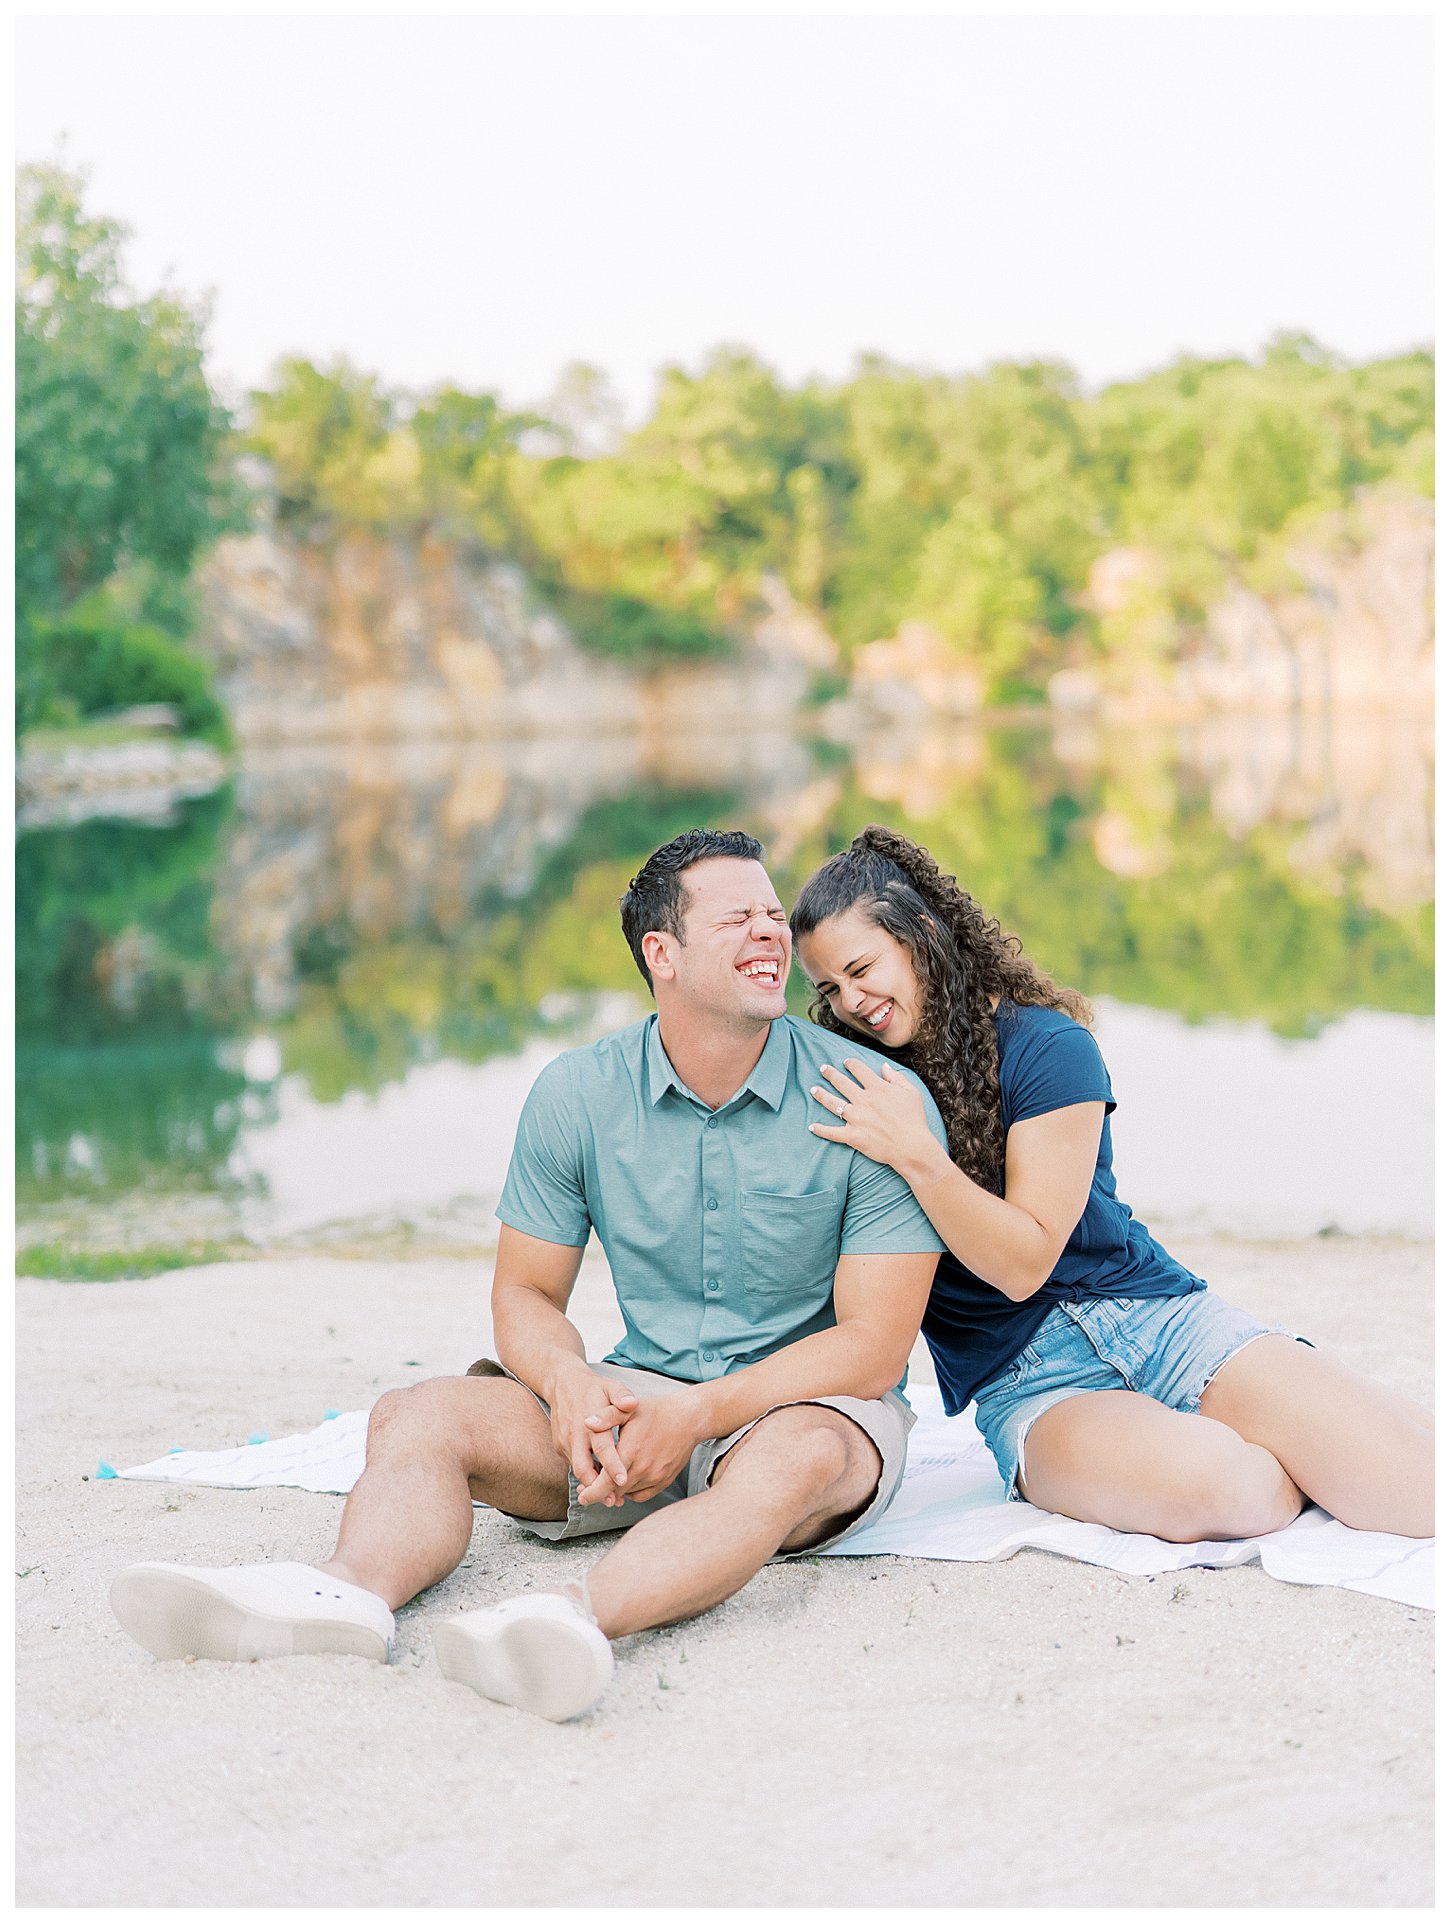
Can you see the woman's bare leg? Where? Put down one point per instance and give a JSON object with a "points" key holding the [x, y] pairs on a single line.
{"points": [[1114, 1457], [1361, 1451]]}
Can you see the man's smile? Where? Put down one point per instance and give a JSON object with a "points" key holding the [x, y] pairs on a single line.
{"points": [[762, 968]]}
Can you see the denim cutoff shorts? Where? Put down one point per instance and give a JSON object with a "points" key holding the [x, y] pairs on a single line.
{"points": [[1169, 1347]]}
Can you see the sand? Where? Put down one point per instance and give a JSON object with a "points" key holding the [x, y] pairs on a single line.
{"points": [[842, 1733]]}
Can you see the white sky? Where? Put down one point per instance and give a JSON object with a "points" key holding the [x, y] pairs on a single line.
{"points": [[485, 199]]}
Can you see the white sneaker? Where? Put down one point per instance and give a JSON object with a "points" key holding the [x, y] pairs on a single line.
{"points": [[542, 1653], [259, 1609]]}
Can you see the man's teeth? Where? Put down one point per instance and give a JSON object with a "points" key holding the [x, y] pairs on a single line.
{"points": [[770, 968]]}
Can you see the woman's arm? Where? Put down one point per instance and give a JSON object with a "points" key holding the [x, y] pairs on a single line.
{"points": [[1013, 1241]]}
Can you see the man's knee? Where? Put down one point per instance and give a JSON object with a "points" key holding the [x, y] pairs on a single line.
{"points": [[436, 1413], [387, 1412], [817, 1452]]}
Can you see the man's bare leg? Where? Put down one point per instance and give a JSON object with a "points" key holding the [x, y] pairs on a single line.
{"points": [[436, 1448], [796, 1478], [433, 1450]]}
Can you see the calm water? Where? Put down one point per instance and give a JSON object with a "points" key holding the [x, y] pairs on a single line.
{"points": [[310, 1007]]}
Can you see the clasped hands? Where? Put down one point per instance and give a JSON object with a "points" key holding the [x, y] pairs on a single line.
{"points": [[622, 1446]]}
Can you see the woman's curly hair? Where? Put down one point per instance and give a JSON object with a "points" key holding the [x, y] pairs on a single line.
{"points": [[962, 959]]}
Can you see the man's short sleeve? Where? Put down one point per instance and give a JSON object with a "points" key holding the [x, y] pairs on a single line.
{"points": [[882, 1215], [544, 1192], [1056, 1067]]}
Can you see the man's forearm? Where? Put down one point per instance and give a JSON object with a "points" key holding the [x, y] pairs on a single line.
{"points": [[534, 1339], [847, 1360]]}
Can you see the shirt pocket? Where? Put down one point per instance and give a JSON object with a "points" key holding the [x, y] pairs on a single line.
{"points": [[790, 1244]]}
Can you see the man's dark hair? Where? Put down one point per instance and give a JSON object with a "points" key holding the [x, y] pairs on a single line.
{"points": [[656, 898]]}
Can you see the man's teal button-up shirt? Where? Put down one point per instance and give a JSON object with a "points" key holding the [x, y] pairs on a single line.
{"points": [[722, 1227]]}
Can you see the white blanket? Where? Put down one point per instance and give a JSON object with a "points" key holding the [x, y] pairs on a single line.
{"points": [[950, 1507]]}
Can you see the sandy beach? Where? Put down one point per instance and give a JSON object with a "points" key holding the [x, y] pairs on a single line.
{"points": [[843, 1733]]}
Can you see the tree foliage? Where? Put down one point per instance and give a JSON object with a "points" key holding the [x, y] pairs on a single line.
{"points": [[976, 504], [123, 982], [118, 438], [345, 453]]}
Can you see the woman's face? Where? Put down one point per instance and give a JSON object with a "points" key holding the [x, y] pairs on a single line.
{"points": [[866, 975]]}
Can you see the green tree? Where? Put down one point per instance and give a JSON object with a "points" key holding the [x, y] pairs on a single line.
{"points": [[1219, 465], [465, 446], [695, 505], [326, 436], [347, 453], [119, 440], [977, 593], [976, 504], [583, 414]]}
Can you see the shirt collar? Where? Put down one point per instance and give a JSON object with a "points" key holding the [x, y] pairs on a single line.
{"points": [[766, 1079], [662, 1076]]}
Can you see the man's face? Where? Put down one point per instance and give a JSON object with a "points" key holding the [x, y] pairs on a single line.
{"points": [[735, 956]]}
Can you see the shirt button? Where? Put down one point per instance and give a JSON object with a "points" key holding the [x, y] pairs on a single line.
{"points": [[707, 1355], [712, 1203], [712, 1123], [712, 1283]]}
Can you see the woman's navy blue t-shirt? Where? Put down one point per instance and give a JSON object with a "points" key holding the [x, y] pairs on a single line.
{"points": [[1045, 1061]]}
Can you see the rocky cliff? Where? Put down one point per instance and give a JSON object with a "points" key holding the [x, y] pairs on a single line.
{"points": [[1351, 626], [366, 638]]}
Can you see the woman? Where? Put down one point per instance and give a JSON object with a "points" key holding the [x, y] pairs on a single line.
{"points": [[1110, 1384]]}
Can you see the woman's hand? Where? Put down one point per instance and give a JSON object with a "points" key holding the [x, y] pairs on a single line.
{"points": [[882, 1115]]}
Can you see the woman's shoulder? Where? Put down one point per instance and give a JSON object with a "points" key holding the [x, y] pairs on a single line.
{"points": [[1045, 1053], [1023, 1023]]}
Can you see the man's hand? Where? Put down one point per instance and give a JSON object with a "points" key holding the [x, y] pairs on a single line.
{"points": [[654, 1443], [584, 1412]]}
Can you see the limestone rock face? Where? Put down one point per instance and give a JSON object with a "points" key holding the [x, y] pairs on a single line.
{"points": [[1355, 632], [1359, 632], [365, 638], [384, 836], [1115, 577], [916, 670]]}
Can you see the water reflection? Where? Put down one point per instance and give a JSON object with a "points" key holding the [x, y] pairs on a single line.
{"points": [[1215, 1131], [408, 928]]}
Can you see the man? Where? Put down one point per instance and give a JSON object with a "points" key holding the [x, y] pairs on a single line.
{"points": [[771, 1284]]}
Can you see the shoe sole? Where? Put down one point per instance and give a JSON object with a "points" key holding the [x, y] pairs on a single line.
{"points": [[173, 1615], [532, 1663]]}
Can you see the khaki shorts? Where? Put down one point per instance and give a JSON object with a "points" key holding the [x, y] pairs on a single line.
{"points": [[888, 1422]]}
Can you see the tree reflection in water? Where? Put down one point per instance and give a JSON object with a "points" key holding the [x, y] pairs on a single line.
{"points": [[376, 910]]}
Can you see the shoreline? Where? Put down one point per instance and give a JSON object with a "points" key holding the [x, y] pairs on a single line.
{"points": [[863, 1731], [80, 1259], [64, 778]]}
